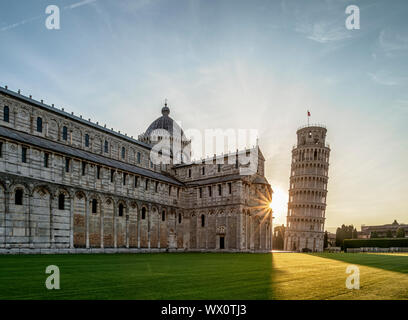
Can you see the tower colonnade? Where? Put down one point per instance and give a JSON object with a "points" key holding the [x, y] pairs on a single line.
{"points": [[308, 190]]}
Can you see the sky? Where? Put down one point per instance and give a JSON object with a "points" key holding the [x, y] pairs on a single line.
{"points": [[242, 64]]}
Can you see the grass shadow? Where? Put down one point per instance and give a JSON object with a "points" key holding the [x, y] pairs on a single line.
{"points": [[393, 263], [179, 276]]}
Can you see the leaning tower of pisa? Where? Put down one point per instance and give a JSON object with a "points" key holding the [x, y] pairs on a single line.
{"points": [[308, 190]]}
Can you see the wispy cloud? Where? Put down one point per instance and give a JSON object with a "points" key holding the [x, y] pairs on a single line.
{"points": [[386, 79], [323, 23], [79, 4], [25, 21], [20, 23], [393, 43], [323, 31]]}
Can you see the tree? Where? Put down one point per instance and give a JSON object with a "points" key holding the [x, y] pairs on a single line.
{"points": [[374, 234], [326, 240], [345, 232], [355, 233], [400, 233], [389, 234]]}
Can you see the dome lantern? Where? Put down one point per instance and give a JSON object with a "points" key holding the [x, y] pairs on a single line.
{"points": [[165, 110]]}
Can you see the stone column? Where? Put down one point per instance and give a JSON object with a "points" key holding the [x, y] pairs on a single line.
{"points": [[102, 220], [115, 229], [30, 203], [52, 236], [87, 222], [226, 237], [238, 231], [266, 236], [4, 218], [127, 217], [148, 224], [252, 235], [198, 244], [159, 227], [139, 213], [206, 233], [71, 221]]}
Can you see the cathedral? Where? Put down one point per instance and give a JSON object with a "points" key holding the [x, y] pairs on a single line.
{"points": [[69, 185]]}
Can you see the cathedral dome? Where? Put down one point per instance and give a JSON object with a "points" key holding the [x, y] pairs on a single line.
{"points": [[164, 123]]}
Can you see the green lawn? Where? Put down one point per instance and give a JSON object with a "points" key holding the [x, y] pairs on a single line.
{"points": [[205, 276]]}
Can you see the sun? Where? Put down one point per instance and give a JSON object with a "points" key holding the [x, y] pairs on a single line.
{"points": [[279, 204]]}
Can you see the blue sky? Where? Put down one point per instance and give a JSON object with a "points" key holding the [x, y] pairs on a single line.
{"points": [[234, 64]]}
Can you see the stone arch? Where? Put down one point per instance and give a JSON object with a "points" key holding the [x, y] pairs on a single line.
{"points": [[154, 226], [77, 136], [133, 224], [41, 217], [108, 205], [80, 203], [144, 226], [68, 125], [97, 145], [61, 216], [180, 227], [94, 204], [121, 222], [3, 216], [16, 206], [53, 129]]}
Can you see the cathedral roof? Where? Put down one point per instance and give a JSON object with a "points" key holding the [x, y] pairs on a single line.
{"points": [[165, 123], [82, 154], [71, 116], [260, 180]]}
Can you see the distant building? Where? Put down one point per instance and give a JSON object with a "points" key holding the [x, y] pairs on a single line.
{"points": [[382, 230], [331, 239]]}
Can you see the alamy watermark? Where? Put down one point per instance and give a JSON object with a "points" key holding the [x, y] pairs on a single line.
{"points": [[53, 281], [210, 146], [52, 22], [353, 280], [353, 20]]}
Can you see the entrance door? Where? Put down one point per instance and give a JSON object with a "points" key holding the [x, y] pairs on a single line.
{"points": [[221, 242]]}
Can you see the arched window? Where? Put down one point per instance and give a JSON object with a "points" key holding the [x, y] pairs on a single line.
{"points": [[18, 197], [143, 213], [61, 201], [203, 220], [6, 114], [315, 155], [94, 205], [39, 124], [120, 210], [64, 133], [123, 152], [106, 146], [163, 215], [86, 140], [24, 154], [179, 218]]}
